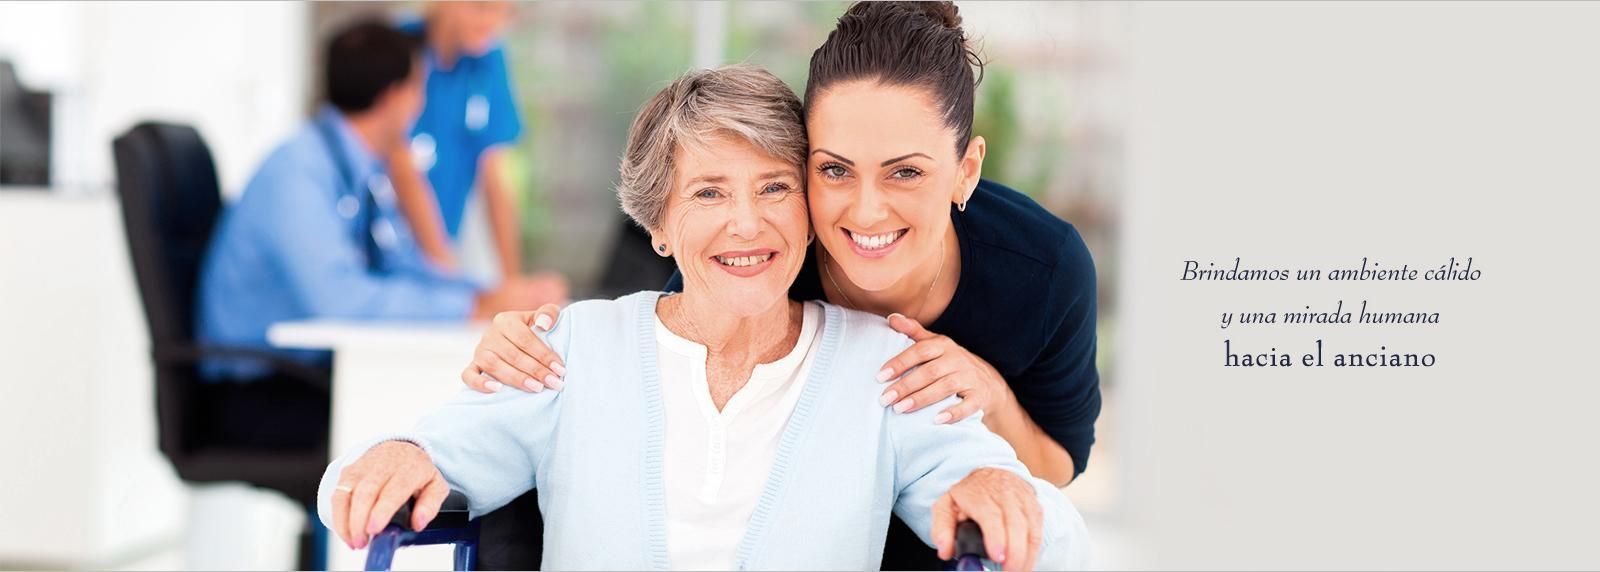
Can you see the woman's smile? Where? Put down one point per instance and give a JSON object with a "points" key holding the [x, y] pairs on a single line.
{"points": [[745, 263], [874, 245]]}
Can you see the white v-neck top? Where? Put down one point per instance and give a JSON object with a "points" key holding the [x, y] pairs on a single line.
{"points": [[715, 464]]}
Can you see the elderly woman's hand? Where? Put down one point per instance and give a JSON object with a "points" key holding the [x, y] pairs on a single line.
{"points": [[374, 487], [509, 353], [1004, 506], [942, 368]]}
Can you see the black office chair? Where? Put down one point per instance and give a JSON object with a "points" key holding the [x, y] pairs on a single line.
{"points": [[271, 433]]}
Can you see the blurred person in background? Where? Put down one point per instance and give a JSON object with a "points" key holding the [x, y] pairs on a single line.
{"points": [[317, 234], [461, 140]]}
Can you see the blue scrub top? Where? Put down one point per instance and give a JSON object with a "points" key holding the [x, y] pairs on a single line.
{"points": [[470, 108], [300, 243]]}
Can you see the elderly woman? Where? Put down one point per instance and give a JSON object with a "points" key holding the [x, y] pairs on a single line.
{"points": [[727, 426]]}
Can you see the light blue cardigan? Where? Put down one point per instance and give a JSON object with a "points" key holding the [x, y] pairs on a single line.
{"points": [[594, 450]]}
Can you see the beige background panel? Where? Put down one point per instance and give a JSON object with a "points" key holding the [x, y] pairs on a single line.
{"points": [[1311, 135]]}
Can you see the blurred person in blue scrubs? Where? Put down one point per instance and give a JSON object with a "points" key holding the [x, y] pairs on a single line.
{"points": [[317, 232], [461, 141]]}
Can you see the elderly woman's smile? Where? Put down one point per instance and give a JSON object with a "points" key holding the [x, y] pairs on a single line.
{"points": [[746, 263]]}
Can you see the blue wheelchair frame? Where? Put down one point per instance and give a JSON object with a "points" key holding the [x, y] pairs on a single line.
{"points": [[380, 554], [451, 526]]}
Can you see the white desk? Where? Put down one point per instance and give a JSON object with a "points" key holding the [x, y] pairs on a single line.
{"points": [[385, 376]]}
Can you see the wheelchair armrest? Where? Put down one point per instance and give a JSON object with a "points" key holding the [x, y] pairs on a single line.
{"points": [[187, 354], [452, 514]]}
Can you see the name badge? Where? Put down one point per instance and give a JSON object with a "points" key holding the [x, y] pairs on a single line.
{"points": [[423, 152], [477, 112]]}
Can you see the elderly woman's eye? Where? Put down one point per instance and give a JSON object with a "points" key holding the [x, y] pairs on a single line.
{"points": [[775, 188], [708, 194]]}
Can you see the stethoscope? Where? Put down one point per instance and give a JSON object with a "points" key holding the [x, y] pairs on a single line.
{"points": [[377, 234]]}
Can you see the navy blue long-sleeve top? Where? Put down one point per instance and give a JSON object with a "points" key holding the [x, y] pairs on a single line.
{"points": [[1026, 303]]}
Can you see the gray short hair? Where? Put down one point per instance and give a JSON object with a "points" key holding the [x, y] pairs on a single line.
{"points": [[743, 101]]}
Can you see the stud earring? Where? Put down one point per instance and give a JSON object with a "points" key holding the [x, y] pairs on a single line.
{"points": [[661, 248]]}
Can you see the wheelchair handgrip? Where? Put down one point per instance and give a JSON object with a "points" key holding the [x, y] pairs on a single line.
{"points": [[452, 514], [969, 539], [970, 552]]}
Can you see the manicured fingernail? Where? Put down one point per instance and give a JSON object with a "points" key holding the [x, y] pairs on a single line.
{"points": [[554, 382], [560, 370], [493, 385], [888, 397], [542, 322], [942, 418], [533, 386], [902, 406], [885, 374], [891, 316]]}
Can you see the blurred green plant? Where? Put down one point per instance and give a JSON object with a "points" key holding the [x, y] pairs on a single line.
{"points": [[1028, 162], [995, 118], [782, 45], [635, 49]]}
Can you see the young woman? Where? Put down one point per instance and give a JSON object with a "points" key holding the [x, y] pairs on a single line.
{"points": [[907, 228]]}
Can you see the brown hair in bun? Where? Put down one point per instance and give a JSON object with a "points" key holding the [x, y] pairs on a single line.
{"points": [[917, 44], [946, 12]]}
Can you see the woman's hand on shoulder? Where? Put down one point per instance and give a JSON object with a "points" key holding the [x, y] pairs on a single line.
{"points": [[1004, 505], [936, 367], [375, 486], [510, 354]]}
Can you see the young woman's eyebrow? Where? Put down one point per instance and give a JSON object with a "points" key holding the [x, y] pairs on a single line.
{"points": [[836, 156], [902, 158]]}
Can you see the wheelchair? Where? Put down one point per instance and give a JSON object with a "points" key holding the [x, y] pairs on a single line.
{"points": [[452, 526]]}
